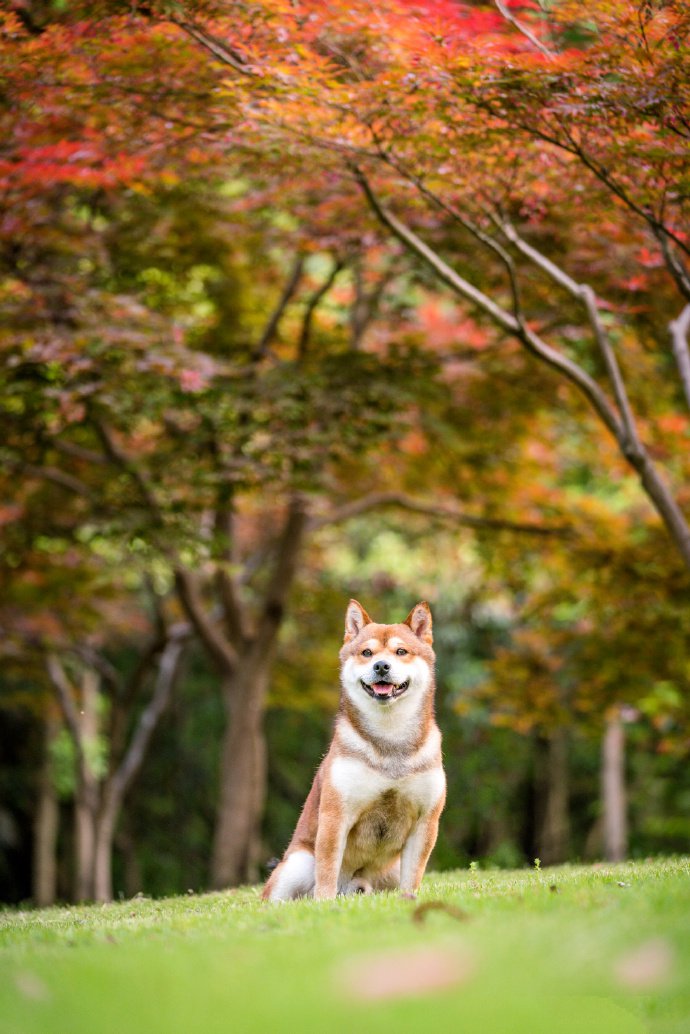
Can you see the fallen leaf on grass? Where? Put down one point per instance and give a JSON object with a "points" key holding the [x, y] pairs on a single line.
{"points": [[646, 967], [31, 986], [422, 911], [404, 974]]}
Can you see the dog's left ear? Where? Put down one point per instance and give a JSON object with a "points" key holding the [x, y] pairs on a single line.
{"points": [[419, 620]]}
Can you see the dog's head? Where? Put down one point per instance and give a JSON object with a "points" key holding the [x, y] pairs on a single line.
{"points": [[386, 662]]}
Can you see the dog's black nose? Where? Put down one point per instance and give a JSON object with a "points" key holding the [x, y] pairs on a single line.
{"points": [[382, 667]]}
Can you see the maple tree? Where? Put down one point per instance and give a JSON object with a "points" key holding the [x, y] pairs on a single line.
{"points": [[218, 218], [197, 449], [56, 663], [294, 73]]}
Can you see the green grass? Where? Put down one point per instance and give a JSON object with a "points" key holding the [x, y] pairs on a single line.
{"points": [[569, 950]]}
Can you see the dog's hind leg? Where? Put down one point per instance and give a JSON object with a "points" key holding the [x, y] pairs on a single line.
{"points": [[293, 878]]}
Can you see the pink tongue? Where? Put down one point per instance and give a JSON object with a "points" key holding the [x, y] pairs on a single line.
{"points": [[383, 689]]}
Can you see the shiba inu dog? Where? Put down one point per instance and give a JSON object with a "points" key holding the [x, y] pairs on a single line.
{"points": [[371, 817]]}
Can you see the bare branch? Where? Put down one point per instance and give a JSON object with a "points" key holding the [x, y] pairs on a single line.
{"points": [[271, 327], [95, 660], [474, 230], [653, 484], [57, 477], [679, 338], [233, 615], [122, 460], [574, 373], [78, 451], [380, 500], [178, 636], [570, 145], [678, 270], [661, 231], [121, 709], [510, 17], [554, 271], [366, 303], [219, 647], [220, 51], [282, 576], [632, 446], [312, 305], [61, 683], [584, 293]]}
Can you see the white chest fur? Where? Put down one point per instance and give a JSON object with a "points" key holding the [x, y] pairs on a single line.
{"points": [[359, 786]]}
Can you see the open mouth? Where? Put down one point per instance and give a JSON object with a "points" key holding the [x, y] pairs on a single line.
{"points": [[383, 691]]}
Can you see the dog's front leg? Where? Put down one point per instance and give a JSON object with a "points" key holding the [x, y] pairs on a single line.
{"points": [[331, 838], [417, 848]]}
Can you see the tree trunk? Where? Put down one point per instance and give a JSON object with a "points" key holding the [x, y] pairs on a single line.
{"points": [[242, 780], [244, 663], [256, 848], [613, 789], [87, 793], [554, 831], [46, 822], [103, 855], [85, 808], [120, 780], [133, 877]]}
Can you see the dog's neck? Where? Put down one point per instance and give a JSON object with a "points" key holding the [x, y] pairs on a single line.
{"points": [[398, 728]]}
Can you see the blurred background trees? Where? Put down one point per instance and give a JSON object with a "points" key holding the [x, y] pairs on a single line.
{"points": [[245, 377]]}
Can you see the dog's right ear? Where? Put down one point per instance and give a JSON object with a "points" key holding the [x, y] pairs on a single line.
{"points": [[356, 618]]}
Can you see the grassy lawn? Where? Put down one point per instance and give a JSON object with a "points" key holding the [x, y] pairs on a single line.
{"points": [[568, 950]]}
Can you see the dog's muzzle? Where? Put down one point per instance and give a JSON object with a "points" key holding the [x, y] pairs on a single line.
{"points": [[384, 691]]}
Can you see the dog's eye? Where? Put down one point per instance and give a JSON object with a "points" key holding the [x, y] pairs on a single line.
{"points": [[400, 652], [366, 653]]}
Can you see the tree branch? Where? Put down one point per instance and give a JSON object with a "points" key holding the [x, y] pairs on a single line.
{"points": [[283, 573], [631, 446], [312, 305], [379, 500], [574, 373], [679, 339], [510, 17], [122, 460], [232, 611], [661, 231], [64, 692], [57, 477], [121, 709], [178, 636], [678, 270], [78, 451], [94, 660], [271, 327], [653, 484], [366, 304], [220, 51], [471, 228], [585, 294], [218, 646]]}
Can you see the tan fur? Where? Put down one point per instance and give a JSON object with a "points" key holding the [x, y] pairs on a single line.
{"points": [[370, 820]]}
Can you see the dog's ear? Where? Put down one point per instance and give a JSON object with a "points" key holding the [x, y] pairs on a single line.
{"points": [[356, 618], [419, 620]]}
